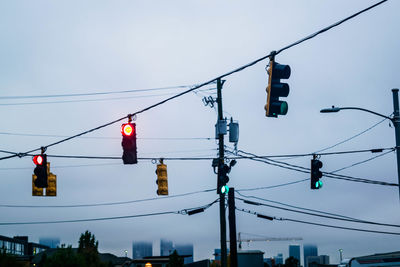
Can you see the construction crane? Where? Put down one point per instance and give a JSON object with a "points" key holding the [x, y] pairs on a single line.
{"points": [[263, 238]]}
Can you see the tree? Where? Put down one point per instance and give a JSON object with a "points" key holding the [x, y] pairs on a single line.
{"points": [[88, 248], [175, 260], [63, 257], [292, 262], [9, 260]]}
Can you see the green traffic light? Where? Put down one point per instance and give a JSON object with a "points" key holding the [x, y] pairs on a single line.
{"points": [[224, 189], [318, 184]]}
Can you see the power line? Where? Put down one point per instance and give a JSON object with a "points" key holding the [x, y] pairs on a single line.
{"points": [[106, 203], [212, 80], [350, 138], [292, 206], [322, 215], [108, 137], [329, 27], [97, 93], [86, 100], [363, 161], [273, 186], [181, 212], [318, 224], [307, 170]]}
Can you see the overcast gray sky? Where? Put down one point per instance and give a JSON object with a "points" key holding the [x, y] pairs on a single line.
{"points": [[72, 47]]}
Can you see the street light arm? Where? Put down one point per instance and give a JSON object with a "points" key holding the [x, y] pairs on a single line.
{"points": [[369, 111], [337, 109]]}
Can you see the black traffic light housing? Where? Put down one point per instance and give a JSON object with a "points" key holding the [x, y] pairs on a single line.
{"points": [[316, 174], [40, 170], [276, 89], [128, 143], [223, 178]]}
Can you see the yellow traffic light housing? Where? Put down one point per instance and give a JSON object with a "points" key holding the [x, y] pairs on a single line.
{"points": [[51, 190], [162, 178]]}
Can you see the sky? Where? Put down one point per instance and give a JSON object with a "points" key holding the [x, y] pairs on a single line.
{"points": [[75, 47]]}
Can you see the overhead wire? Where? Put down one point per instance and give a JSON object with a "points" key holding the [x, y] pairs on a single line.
{"points": [[307, 170], [317, 224], [318, 214], [210, 81], [180, 212], [106, 203], [97, 93]]}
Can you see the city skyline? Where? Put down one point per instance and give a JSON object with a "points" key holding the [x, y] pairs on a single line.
{"points": [[71, 66]]}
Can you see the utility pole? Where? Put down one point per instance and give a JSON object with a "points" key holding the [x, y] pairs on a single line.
{"points": [[232, 227], [222, 215], [396, 123]]}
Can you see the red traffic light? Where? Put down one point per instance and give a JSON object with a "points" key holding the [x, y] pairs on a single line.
{"points": [[38, 160], [127, 129]]}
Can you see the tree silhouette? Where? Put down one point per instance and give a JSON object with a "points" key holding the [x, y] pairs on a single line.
{"points": [[292, 262], [175, 260]]}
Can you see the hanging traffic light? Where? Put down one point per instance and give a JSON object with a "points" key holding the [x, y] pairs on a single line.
{"points": [[276, 89], [162, 178], [128, 131], [40, 171], [316, 174]]}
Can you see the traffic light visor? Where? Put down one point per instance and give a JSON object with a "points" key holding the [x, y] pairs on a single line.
{"points": [[127, 129], [38, 160]]}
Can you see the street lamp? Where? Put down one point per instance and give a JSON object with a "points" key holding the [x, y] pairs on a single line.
{"points": [[395, 120]]}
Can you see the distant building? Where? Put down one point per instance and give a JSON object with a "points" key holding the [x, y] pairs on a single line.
{"points": [[141, 249], [217, 254], [185, 249], [166, 247], [315, 261], [253, 258], [19, 246], [294, 251], [309, 250], [382, 259], [51, 242], [278, 259]]}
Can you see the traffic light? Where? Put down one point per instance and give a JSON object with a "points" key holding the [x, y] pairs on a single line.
{"points": [[162, 178], [40, 171], [223, 178], [36, 191], [316, 174], [276, 89], [51, 190], [128, 131]]}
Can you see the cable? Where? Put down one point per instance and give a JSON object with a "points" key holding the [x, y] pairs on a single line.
{"points": [[329, 27], [318, 224], [363, 161], [273, 186], [307, 170], [104, 204], [108, 137], [323, 214], [181, 212], [350, 138], [292, 206], [210, 81], [87, 100], [97, 93]]}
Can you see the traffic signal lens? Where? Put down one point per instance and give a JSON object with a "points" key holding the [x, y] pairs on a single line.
{"points": [[38, 160], [318, 184], [127, 129], [224, 189], [284, 108]]}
